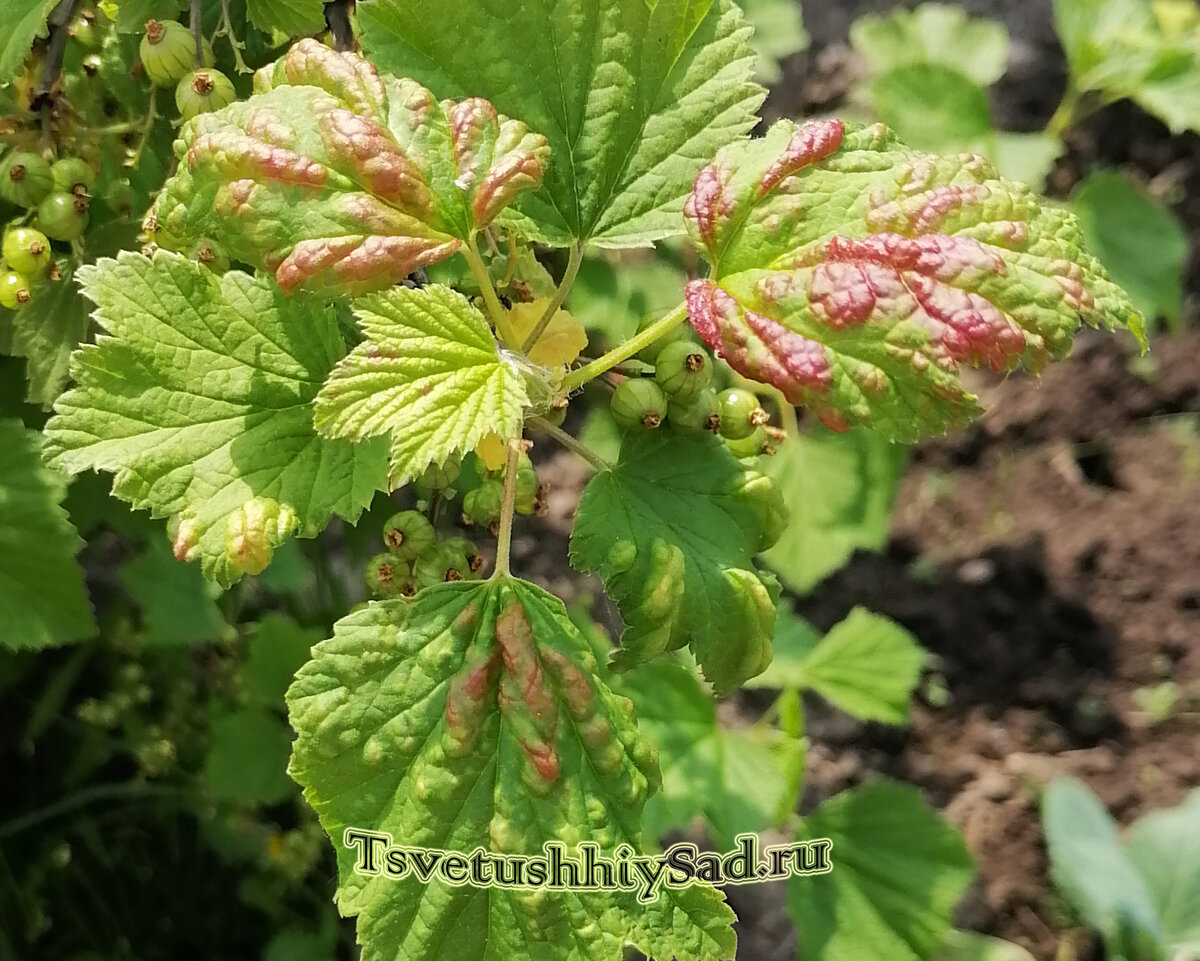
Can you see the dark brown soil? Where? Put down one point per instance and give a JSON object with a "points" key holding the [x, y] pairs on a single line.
{"points": [[1050, 558]]}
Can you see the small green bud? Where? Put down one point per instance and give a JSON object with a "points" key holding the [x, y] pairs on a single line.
{"points": [[25, 178], [444, 563], [482, 505], [73, 175], [683, 369], [63, 216], [15, 290], [168, 52], [203, 91], [755, 443], [740, 413], [388, 576], [696, 414], [211, 254], [639, 404], [441, 476], [526, 498], [26, 250], [408, 535]]}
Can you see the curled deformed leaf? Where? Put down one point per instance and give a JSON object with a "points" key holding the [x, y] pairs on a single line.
{"points": [[335, 178], [672, 531], [856, 275]]}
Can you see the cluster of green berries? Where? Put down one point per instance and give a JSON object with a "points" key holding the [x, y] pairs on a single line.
{"points": [[56, 197], [679, 395], [482, 504], [415, 558], [168, 52]]}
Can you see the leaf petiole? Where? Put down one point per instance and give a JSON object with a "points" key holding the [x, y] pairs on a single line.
{"points": [[572, 444], [581, 375], [504, 543], [496, 310], [568, 281]]}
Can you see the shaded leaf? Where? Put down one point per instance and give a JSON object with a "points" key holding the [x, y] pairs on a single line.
{"points": [[43, 600]]}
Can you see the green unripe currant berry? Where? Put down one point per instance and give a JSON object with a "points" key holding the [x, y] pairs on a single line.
{"points": [[442, 564], [482, 505], [25, 178], [441, 477], [753, 444], [639, 403], [526, 498], [168, 52], [408, 534], [696, 414], [83, 31], [119, 196], [462, 548], [740, 413], [26, 250], [63, 216], [15, 290], [211, 254], [388, 576], [683, 368], [203, 91], [649, 353], [73, 175]]}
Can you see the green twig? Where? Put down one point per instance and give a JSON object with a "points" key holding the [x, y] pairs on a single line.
{"points": [[197, 33], [225, 29], [570, 443], [498, 314], [147, 128], [581, 375], [568, 281], [504, 544]]}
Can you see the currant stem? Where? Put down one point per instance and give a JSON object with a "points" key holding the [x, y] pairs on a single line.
{"points": [[498, 314], [504, 544], [225, 29], [568, 281], [197, 33], [581, 375], [572, 444]]}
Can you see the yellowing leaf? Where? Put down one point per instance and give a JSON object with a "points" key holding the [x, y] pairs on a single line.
{"points": [[561, 341], [491, 450]]}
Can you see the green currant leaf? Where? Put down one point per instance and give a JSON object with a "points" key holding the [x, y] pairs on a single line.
{"points": [[468, 717], [933, 33], [672, 532], [705, 767], [898, 872], [633, 97], [1089, 866], [856, 275], [293, 18], [45, 332], [969, 946], [43, 600], [839, 490], [1119, 49], [336, 179], [178, 606], [199, 400], [867, 665], [25, 21], [247, 757], [278, 648], [1139, 240], [429, 374], [1165, 848]]}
